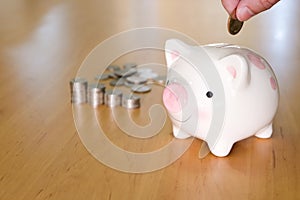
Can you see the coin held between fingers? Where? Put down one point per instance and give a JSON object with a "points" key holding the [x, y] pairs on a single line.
{"points": [[234, 25]]}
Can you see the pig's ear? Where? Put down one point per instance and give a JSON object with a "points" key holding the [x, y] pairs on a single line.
{"points": [[236, 70], [174, 50]]}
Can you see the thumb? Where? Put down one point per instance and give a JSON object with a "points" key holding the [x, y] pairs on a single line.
{"points": [[248, 8]]}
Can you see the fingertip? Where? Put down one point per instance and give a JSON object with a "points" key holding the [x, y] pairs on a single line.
{"points": [[244, 13]]}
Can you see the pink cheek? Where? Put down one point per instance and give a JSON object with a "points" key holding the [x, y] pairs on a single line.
{"points": [[256, 61], [174, 97], [273, 83]]}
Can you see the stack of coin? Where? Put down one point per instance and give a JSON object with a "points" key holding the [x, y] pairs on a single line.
{"points": [[96, 94], [130, 101], [138, 79], [113, 98], [78, 88]]}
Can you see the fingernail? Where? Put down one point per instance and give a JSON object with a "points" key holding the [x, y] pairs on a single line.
{"points": [[244, 13]]}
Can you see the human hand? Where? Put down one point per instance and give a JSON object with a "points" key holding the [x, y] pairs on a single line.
{"points": [[245, 9]]}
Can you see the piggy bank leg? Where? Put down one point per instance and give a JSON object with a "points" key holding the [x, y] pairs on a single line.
{"points": [[265, 132], [178, 133], [221, 148]]}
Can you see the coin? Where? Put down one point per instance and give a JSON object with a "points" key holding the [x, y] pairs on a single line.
{"points": [[234, 25], [129, 65], [117, 82], [129, 85], [78, 88], [144, 70], [125, 72], [113, 98], [130, 101], [113, 68], [136, 79], [148, 75], [141, 88], [96, 94], [78, 84], [102, 77], [112, 75]]}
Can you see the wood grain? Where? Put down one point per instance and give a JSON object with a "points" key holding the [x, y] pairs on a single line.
{"points": [[42, 45]]}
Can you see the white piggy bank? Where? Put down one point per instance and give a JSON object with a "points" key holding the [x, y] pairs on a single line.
{"points": [[244, 105]]}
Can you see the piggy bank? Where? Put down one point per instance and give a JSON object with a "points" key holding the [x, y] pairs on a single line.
{"points": [[247, 97]]}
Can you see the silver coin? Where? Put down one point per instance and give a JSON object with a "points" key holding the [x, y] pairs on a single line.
{"points": [[117, 82], [129, 85], [112, 75], [78, 88], [234, 26], [113, 68], [79, 97], [129, 65], [102, 77], [125, 72], [97, 86], [130, 101], [136, 79], [78, 80], [78, 83], [113, 98], [96, 94], [144, 70], [141, 88], [148, 75]]}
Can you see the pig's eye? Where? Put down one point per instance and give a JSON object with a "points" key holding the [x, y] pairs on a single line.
{"points": [[209, 94]]}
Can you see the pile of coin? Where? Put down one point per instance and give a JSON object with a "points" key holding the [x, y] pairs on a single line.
{"points": [[96, 94], [130, 101], [132, 77], [78, 88], [113, 98], [136, 79]]}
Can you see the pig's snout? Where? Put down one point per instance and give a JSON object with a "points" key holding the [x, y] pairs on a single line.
{"points": [[174, 97]]}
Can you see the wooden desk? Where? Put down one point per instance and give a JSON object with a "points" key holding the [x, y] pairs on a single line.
{"points": [[41, 155]]}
